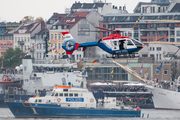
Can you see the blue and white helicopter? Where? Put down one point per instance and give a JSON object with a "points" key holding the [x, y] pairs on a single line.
{"points": [[115, 44]]}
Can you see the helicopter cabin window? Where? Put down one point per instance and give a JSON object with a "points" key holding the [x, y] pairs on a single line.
{"points": [[75, 95], [115, 43], [61, 94], [66, 94], [56, 94], [70, 94], [129, 42]]}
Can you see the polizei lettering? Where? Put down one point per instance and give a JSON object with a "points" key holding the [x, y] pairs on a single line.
{"points": [[74, 99]]}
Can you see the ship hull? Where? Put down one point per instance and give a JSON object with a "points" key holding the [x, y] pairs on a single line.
{"points": [[165, 99], [20, 110]]}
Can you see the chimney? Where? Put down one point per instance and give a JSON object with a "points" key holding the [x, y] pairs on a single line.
{"points": [[42, 25]]}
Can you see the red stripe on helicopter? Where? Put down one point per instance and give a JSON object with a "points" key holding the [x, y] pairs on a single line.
{"points": [[66, 32]]}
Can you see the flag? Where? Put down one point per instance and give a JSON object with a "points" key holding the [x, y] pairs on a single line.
{"points": [[141, 69], [159, 68], [112, 71], [84, 73], [94, 62]]}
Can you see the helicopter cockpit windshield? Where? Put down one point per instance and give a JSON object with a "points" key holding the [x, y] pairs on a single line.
{"points": [[137, 43]]}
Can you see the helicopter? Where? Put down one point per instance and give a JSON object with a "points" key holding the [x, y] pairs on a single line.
{"points": [[114, 44]]}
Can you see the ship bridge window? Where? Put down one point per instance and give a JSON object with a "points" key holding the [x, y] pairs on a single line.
{"points": [[52, 94], [56, 94], [60, 94], [35, 100], [70, 94], [66, 94], [65, 90], [75, 95], [40, 100]]}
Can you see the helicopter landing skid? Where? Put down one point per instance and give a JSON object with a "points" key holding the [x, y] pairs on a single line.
{"points": [[123, 56]]}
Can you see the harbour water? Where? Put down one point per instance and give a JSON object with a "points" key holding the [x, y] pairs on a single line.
{"points": [[5, 114]]}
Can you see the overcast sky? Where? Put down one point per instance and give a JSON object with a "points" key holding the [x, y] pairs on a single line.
{"points": [[15, 10]]}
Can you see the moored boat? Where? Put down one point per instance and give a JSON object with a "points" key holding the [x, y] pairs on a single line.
{"points": [[66, 101]]}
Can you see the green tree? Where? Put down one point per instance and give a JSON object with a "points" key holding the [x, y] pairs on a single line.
{"points": [[39, 19], [27, 18], [31, 18], [12, 58]]}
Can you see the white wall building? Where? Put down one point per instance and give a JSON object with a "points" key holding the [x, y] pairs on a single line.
{"points": [[24, 33]]}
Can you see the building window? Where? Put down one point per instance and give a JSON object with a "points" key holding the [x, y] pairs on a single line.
{"points": [[144, 33], [167, 33], [160, 56], [178, 39], [153, 9], [165, 72], [55, 36], [162, 40], [51, 36], [153, 48], [25, 39], [143, 40], [37, 55], [77, 57], [7, 45], [28, 39], [104, 34], [24, 47], [156, 56], [55, 45], [1, 46], [4, 46], [39, 46], [18, 38], [178, 33], [51, 45], [157, 72], [10, 45], [150, 40], [162, 33], [150, 48], [59, 36], [15, 39], [59, 46], [158, 48], [104, 25], [21, 38], [150, 33], [144, 55]]}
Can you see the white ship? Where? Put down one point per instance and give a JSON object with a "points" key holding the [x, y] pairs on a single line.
{"points": [[39, 77], [167, 99]]}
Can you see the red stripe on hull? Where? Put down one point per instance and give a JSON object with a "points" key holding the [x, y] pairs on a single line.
{"points": [[166, 109]]}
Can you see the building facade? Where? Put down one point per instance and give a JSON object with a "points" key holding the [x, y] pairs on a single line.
{"points": [[6, 41], [24, 33]]}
